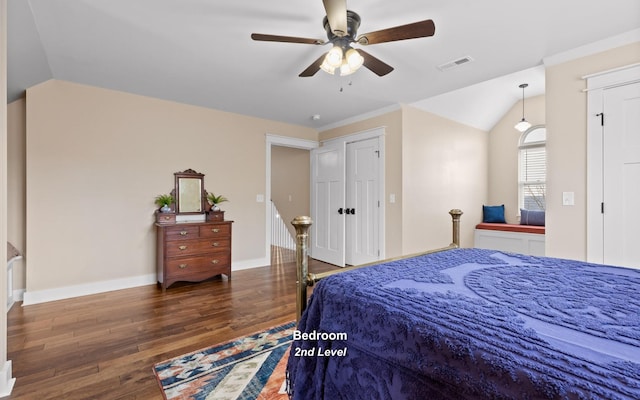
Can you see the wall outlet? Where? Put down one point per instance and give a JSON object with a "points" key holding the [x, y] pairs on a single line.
{"points": [[260, 198]]}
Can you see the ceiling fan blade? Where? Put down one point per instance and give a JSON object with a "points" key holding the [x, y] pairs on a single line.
{"points": [[337, 16], [410, 31], [377, 66], [313, 68], [287, 39]]}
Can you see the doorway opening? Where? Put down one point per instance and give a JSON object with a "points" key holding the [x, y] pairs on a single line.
{"points": [[287, 193]]}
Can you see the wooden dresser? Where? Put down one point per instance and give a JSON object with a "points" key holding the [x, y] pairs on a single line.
{"points": [[193, 251]]}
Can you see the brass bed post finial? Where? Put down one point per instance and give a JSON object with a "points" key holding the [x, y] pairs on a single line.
{"points": [[455, 219], [302, 225]]}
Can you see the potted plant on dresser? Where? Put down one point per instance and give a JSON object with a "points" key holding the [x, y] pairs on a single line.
{"points": [[165, 214], [215, 214]]}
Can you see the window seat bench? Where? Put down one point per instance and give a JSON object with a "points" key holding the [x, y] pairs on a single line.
{"points": [[524, 239]]}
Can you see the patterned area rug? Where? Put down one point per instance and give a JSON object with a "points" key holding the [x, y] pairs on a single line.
{"points": [[248, 368]]}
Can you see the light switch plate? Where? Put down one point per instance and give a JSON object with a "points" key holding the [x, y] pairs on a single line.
{"points": [[568, 198]]}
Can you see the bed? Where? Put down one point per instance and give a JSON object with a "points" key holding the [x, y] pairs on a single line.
{"points": [[470, 324]]}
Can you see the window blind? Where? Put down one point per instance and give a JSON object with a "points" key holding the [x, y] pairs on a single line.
{"points": [[532, 179]]}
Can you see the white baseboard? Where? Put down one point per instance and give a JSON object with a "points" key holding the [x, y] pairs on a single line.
{"points": [[6, 381], [248, 264], [18, 295], [67, 292]]}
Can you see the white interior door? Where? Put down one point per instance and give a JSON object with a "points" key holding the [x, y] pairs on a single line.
{"points": [[327, 199], [621, 175], [362, 202]]}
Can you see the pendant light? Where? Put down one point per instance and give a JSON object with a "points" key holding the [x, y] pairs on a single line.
{"points": [[523, 125]]}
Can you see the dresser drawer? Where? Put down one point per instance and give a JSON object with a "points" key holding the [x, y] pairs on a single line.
{"points": [[215, 216], [221, 230], [214, 244], [165, 218], [181, 233], [192, 265], [198, 246]]}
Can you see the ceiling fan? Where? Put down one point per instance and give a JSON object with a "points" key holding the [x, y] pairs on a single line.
{"points": [[342, 27]]}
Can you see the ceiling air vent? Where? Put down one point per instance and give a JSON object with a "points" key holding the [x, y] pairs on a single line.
{"points": [[455, 63]]}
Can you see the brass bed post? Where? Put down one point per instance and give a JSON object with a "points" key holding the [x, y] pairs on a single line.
{"points": [[302, 225], [455, 220]]}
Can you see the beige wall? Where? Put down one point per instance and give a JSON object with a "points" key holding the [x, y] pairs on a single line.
{"points": [[444, 166], [16, 185], [566, 114], [97, 158], [503, 155], [392, 122], [290, 183]]}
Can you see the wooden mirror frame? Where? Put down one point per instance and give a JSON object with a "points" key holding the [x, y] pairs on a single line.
{"points": [[187, 198]]}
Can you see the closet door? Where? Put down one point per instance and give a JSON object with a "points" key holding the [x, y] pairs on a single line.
{"points": [[327, 203], [347, 183], [362, 202], [621, 175]]}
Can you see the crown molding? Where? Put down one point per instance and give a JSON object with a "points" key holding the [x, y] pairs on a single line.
{"points": [[593, 48], [361, 117]]}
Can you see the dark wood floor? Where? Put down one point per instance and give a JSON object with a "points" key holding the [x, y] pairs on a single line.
{"points": [[104, 346]]}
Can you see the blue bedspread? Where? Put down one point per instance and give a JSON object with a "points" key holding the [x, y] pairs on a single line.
{"points": [[471, 324]]}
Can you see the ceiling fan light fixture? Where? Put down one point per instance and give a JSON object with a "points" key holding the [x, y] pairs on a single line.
{"points": [[354, 59], [345, 69], [327, 68], [334, 57]]}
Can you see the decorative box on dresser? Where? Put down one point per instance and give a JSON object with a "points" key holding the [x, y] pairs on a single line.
{"points": [[193, 251]]}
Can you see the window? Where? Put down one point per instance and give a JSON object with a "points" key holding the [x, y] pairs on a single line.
{"points": [[532, 168]]}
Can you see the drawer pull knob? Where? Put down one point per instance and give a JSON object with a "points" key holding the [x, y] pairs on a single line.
{"points": [[184, 233], [183, 266], [215, 244], [182, 247], [215, 261], [215, 230], [167, 218]]}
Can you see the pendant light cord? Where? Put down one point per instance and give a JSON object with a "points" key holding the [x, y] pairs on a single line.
{"points": [[524, 85]]}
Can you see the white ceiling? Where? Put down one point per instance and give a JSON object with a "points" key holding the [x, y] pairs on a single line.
{"points": [[482, 105], [199, 52]]}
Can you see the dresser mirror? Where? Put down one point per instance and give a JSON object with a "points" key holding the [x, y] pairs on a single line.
{"points": [[190, 196]]}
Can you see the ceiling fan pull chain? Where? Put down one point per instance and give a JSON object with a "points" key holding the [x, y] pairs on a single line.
{"points": [[342, 86]]}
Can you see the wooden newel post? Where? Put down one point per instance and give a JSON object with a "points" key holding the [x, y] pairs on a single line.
{"points": [[302, 225], [455, 217]]}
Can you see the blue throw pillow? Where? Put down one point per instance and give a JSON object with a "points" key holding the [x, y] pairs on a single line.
{"points": [[493, 214], [531, 217]]}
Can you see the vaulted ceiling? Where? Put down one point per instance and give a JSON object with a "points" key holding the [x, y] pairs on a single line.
{"points": [[200, 52]]}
